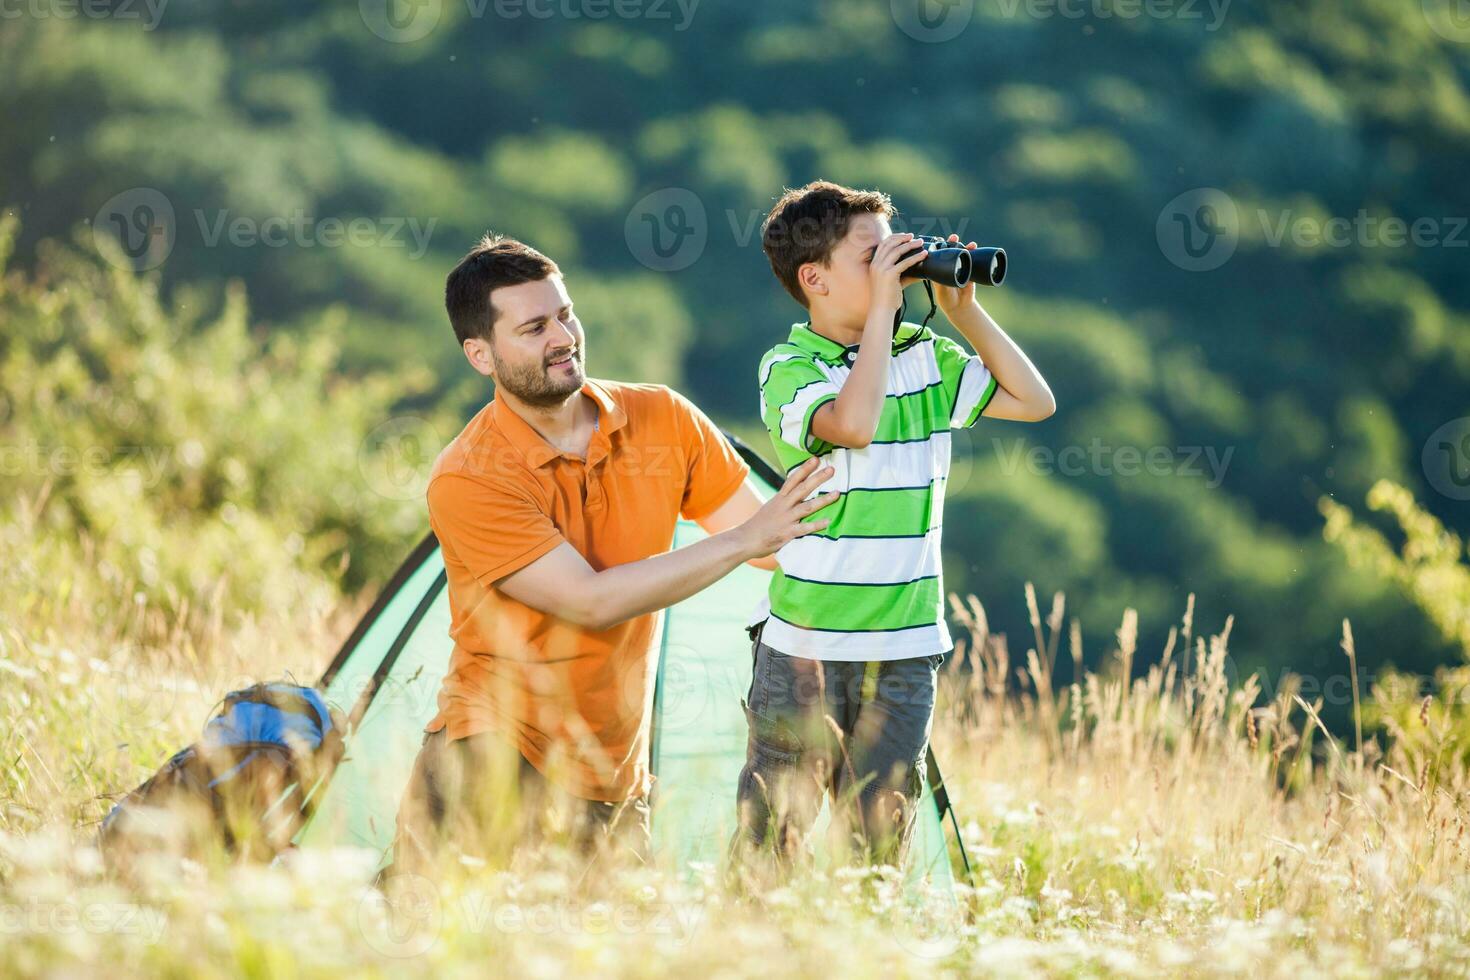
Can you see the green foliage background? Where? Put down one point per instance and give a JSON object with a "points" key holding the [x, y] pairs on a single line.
{"points": [[1320, 369]]}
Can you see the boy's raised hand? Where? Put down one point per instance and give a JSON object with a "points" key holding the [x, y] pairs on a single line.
{"points": [[783, 517], [892, 257], [950, 299]]}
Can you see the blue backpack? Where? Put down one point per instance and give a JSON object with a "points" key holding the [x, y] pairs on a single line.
{"points": [[247, 784]]}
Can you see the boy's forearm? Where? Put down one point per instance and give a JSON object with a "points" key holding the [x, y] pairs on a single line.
{"points": [[1008, 364], [860, 402]]}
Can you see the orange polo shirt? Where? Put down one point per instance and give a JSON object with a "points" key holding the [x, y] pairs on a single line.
{"points": [[576, 702]]}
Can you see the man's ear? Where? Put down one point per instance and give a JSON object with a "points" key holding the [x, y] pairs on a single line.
{"points": [[812, 278], [477, 351]]}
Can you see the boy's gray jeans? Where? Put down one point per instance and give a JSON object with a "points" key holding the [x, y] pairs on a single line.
{"points": [[857, 731]]}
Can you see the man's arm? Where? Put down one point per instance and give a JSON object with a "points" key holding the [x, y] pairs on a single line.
{"points": [[563, 584], [741, 507], [710, 498]]}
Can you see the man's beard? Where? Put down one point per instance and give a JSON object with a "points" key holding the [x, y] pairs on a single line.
{"points": [[535, 385]]}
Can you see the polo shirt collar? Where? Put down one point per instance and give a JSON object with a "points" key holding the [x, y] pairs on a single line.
{"points": [[803, 336], [538, 452]]}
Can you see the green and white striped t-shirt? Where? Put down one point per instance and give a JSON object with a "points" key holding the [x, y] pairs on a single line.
{"points": [[870, 586]]}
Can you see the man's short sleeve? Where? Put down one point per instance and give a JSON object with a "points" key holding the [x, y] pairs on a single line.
{"points": [[967, 380], [493, 530], [714, 470], [793, 387]]}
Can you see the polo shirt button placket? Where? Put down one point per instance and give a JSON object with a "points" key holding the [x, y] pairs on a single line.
{"points": [[594, 485]]}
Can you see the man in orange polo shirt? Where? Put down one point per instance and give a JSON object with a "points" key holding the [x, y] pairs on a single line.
{"points": [[555, 510]]}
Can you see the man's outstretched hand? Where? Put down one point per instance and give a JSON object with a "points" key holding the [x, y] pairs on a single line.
{"points": [[784, 516]]}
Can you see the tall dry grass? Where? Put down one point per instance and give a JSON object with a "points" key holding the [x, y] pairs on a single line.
{"points": [[1149, 817], [1168, 811]]}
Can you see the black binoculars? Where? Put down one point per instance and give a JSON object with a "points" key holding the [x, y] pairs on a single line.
{"points": [[951, 264]]}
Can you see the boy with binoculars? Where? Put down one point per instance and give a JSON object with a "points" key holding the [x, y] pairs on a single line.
{"points": [[846, 656]]}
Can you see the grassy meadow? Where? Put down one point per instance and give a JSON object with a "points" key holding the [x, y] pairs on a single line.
{"points": [[1161, 826]]}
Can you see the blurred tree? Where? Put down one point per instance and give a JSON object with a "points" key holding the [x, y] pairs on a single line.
{"points": [[1318, 366]]}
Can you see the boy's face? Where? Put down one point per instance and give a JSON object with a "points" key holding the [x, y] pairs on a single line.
{"points": [[843, 288]]}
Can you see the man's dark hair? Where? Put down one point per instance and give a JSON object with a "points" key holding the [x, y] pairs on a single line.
{"points": [[495, 262], [808, 222]]}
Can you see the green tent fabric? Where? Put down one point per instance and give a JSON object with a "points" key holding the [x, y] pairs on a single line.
{"points": [[388, 672]]}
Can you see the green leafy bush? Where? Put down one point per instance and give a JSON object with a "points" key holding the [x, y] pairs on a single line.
{"points": [[170, 457], [1430, 563]]}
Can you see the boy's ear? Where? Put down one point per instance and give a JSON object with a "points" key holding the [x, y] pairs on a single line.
{"points": [[812, 279]]}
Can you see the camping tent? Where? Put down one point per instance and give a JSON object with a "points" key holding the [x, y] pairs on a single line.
{"points": [[387, 676]]}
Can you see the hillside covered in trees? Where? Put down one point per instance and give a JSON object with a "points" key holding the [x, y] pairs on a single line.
{"points": [[1237, 235]]}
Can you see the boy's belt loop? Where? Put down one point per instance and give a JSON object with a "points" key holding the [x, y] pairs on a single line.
{"points": [[755, 631]]}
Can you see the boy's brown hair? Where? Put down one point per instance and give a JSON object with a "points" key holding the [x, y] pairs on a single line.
{"points": [[495, 262], [808, 222]]}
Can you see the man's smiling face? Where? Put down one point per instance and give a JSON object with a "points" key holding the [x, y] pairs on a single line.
{"points": [[537, 346]]}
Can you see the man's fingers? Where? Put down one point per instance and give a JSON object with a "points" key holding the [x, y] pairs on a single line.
{"points": [[796, 477], [817, 503], [811, 527], [813, 481]]}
